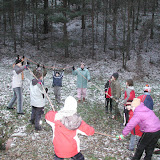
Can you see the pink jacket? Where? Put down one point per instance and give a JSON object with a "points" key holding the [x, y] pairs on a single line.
{"points": [[145, 118], [66, 142]]}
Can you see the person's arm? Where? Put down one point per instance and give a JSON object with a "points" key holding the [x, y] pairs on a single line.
{"points": [[106, 86], [85, 129], [131, 124], [88, 75], [19, 69]]}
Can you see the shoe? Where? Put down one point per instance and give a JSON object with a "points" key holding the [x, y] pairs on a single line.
{"points": [[79, 101], [22, 113], [83, 99], [38, 129], [11, 108], [31, 121]]}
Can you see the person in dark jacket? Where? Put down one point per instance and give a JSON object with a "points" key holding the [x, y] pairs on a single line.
{"points": [[57, 84], [146, 97]]}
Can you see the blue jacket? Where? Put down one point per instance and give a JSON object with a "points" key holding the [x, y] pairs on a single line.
{"points": [[57, 80]]}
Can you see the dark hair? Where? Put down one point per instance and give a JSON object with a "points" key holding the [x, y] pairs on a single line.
{"points": [[38, 74], [130, 82]]}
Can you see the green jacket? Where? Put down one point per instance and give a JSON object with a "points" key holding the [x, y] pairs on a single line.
{"points": [[115, 89], [82, 77]]}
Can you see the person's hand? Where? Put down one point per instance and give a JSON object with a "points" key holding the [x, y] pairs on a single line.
{"points": [[120, 137], [73, 68], [46, 89], [111, 96]]}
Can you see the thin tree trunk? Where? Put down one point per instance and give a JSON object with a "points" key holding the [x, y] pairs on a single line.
{"points": [[137, 18], [152, 23], [4, 24], [65, 34], [33, 25], [93, 53], [115, 28], [46, 26], [37, 28]]}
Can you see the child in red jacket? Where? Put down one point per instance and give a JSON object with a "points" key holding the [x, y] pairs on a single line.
{"points": [[66, 125], [129, 95], [135, 133]]}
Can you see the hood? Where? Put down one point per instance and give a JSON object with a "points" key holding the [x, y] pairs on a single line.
{"points": [[69, 109], [130, 87], [72, 122], [34, 82], [142, 108]]}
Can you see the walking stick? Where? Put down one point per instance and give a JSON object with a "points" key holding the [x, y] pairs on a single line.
{"points": [[103, 134], [43, 89]]}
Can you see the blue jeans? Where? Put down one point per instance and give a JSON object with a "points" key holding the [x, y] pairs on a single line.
{"points": [[17, 95], [133, 141]]}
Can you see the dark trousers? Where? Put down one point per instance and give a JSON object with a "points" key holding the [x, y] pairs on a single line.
{"points": [[146, 143], [78, 156], [36, 116], [107, 102], [126, 114]]}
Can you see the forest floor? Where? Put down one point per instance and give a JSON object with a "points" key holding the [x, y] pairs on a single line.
{"points": [[29, 144]]}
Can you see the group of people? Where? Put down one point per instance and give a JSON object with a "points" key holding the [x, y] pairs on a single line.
{"points": [[67, 124]]}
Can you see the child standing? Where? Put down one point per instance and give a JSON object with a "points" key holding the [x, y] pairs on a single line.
{"points": [[135, 133], [17, 86], [108, 95], [37, 100], [116, 94], [57, 84], [146, 97], [129, 95], [66, 125]]}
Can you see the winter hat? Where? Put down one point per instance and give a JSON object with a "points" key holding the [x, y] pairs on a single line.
{"points": [[115, 75], [147, 88], [136, 102], [69, 109]]}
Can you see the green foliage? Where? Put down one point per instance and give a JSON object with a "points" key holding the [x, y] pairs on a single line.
{"points": [[60, 18]]}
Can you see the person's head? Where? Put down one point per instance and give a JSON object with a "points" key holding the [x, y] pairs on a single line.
{"points": [[115, 76], [69, 109], [82, 66], [135, 103], [147, 88], [39, 75], [128, 104], [129, 82], [18, 62], [57, 74]]}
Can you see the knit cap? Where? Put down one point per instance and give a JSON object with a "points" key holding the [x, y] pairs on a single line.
{"points": [[69, 109], [147, 88]]}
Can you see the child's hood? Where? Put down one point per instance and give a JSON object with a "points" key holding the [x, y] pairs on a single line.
{"points": [[34, 82]]}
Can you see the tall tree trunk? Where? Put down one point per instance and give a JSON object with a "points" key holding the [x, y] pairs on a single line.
{"points": [[137, 18], [37, 28], [13, 26], [65, 34], [105, 22], [46, 26], [33, 24], [83, 23], [115, 28], [22, 21], [152, 23], [4, 23], [128, 32], [93, 53]]}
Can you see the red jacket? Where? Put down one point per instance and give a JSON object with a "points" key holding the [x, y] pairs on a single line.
{"points": [[108, 89], [136, 130], [132, 95], [66, 142]]}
